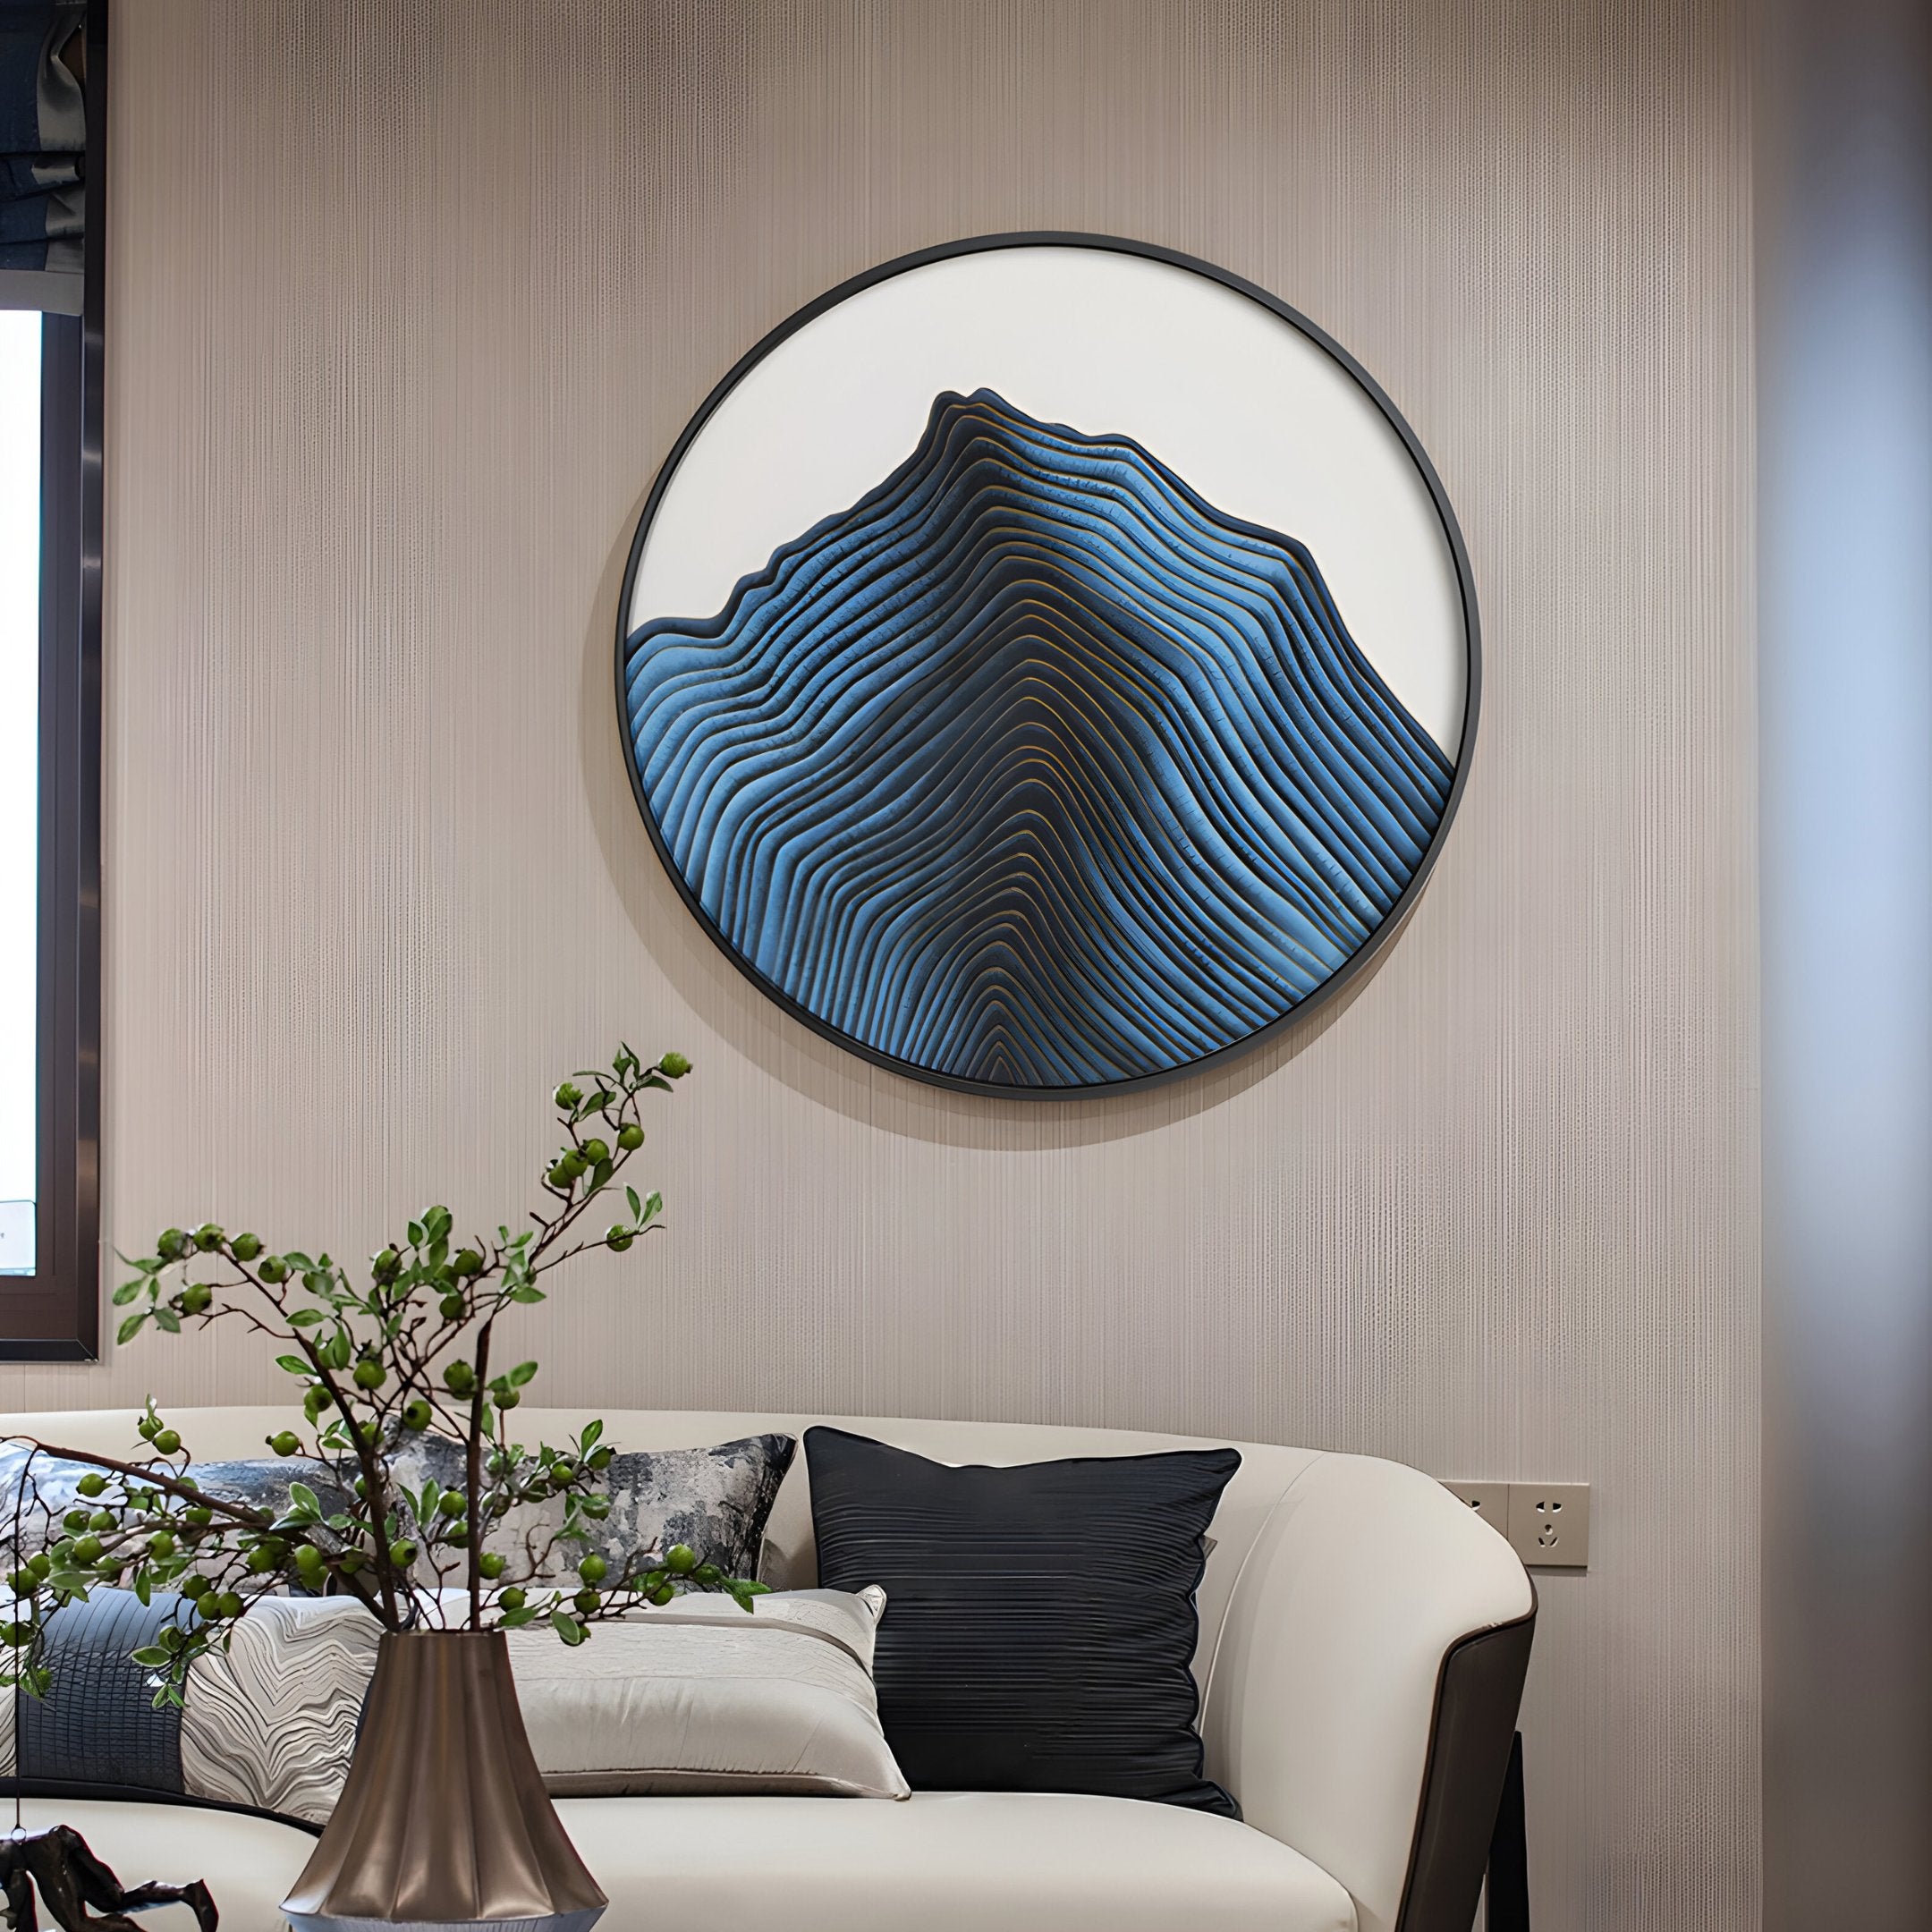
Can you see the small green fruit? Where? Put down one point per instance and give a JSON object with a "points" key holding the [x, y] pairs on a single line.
{"points": [[76, 1519], [630, 1137], [101, 1520], [262, 1559], [707, 1573], [661, 1594], [193, 1585], [465, 1262], [403, 1553], [274, 1270], [450, 1503], [385, 1265], [416, 1414], [452, 1307], [370, 1374], [489, 1565], [595, 1150], [227, 1605], [207, 1237], [458, 1378], [563, 1474], [568, 1093], [199, 1514], [246, 1247], [513, 1599], [618, 1239], [167, 1441], [310, 1560], [587, 1600], [284, 1442], [681, 1559], [674, 1066], [593, 1569], [160, 1544], [559, 1177], [92, 1483], [173, 1245], [87, 1549], [196, 1298]]}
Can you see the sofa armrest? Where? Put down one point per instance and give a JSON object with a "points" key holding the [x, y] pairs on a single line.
{"points": [[1363, 1690]]}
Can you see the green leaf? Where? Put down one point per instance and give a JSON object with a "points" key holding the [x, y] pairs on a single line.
{"points": [[637, 1207], [143, 1588], [521, 1374], [126, 1292], [306, 1317], [166, 1318], [417, 1234], [567, 1627], [130, 1327], [517, 1619], [295, 1364], [528, 1295], [152, 1655], [592, 1431], [303, 1498], [298, 1261]]}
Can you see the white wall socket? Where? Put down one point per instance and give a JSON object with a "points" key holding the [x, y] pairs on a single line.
{"points": [[1547, 1524], [1488, 1500]]}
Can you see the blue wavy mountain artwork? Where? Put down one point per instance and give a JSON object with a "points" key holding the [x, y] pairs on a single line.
{"points": [[1033, 769]]}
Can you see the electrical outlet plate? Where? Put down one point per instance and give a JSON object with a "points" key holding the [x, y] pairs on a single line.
{"points": [[1549, 1524], [1488, 1500]]}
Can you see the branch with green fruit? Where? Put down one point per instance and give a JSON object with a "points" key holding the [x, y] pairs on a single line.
{"points": [[380, 1368]]}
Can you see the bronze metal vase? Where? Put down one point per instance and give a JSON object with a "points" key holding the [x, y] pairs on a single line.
{"points": [[443, 1824]]}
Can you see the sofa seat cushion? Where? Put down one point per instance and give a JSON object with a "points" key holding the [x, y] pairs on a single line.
{"points": [[250, 1863], [945, 1861], [950, 1861]]}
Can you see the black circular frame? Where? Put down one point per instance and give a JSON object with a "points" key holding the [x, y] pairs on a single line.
{"points": [[1370, 948]]}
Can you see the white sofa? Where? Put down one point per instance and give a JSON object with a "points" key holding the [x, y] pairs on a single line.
{"points": [[1362, 1650]]}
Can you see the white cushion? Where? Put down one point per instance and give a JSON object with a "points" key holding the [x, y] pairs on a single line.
{"points": [[702, 1695], [942, 1862]]}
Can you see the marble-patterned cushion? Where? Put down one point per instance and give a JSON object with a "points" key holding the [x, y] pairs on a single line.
{"points": [[267, 1722], [270, 1721], [716, 1500]]}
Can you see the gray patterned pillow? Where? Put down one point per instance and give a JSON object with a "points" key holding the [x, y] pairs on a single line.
{"points": [[51, 1488], [716, 1500]]}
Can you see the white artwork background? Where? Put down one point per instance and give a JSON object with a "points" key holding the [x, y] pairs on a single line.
{"points": [[1258, 418]]}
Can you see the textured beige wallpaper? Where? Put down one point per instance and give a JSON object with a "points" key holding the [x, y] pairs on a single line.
{"points": [[408, 303]]}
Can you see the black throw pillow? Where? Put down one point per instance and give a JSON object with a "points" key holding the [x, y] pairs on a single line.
{"points": [[1040, 1619]]}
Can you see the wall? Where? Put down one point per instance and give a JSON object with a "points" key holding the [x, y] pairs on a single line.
{"points": [[406, 307]]}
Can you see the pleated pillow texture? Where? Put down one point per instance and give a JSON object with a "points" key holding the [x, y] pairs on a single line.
{"points": [[1043, 1621]]}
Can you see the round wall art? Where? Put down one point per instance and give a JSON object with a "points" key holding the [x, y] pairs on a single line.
{"points": [[1047, 664]]}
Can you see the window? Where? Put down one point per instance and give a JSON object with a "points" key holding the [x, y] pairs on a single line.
{"points": [[53, 73]]}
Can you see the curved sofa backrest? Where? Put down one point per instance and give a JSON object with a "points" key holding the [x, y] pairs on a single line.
{"points": [[1266, 1473]]}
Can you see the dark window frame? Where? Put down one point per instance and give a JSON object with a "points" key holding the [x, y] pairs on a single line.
{"points": [[54, 1316]]}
